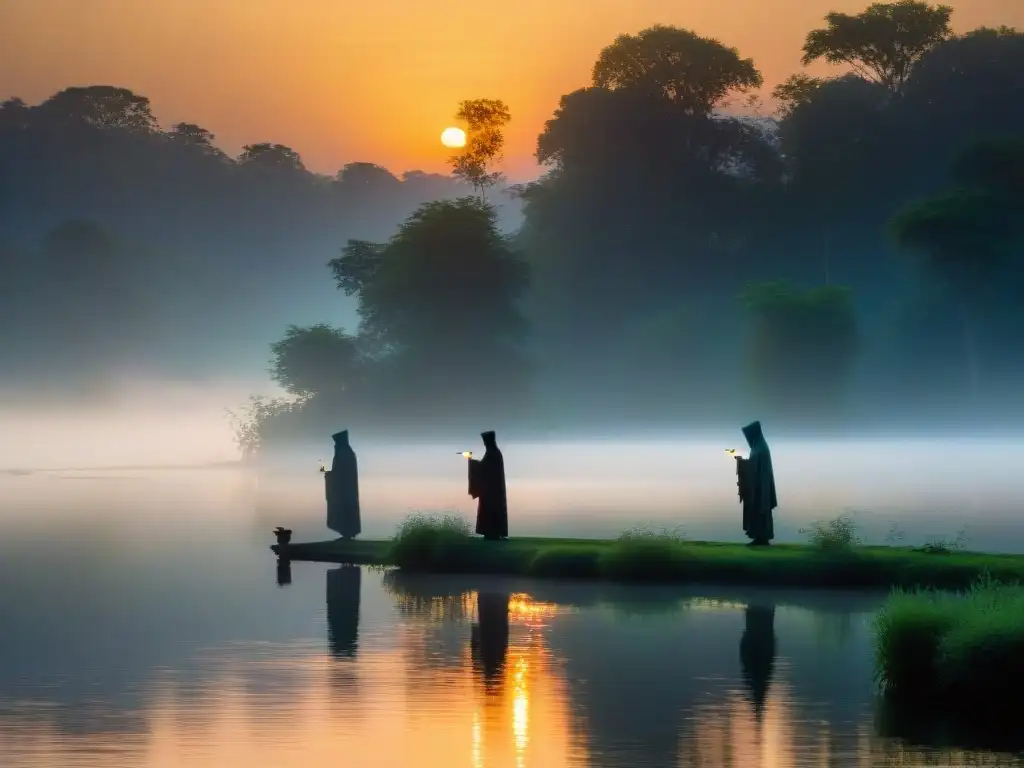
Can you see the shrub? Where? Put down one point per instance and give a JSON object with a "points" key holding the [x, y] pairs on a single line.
{"points": [[942, 545], [835, 536], [424, 540], [642, 554]]}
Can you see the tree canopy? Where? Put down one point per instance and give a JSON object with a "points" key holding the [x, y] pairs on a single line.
{"points": [[693, 72], [882, 43]]}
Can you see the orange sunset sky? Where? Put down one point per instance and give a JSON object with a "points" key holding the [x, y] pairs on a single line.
{"points": [[344, 80]]}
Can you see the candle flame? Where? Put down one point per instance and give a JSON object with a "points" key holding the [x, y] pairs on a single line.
{"points": [[466, 454]]}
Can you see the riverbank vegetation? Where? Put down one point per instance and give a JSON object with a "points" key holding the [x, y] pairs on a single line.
{"points": [[961, 652], [444, 544]]}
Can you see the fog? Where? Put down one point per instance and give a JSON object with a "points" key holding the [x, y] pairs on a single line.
{"points": [[123, 453], [672, 275]]}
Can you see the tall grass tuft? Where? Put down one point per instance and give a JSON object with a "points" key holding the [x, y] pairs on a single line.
{"points": [[835, 537], [647, 554], [425, 539], [964, 649]]}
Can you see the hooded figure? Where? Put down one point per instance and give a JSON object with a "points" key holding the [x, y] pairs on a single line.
{"points": [[342, 483], [756, 483], [487, 485]]}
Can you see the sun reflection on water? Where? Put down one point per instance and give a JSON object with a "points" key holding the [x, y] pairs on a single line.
{"points": [[521, 709]]}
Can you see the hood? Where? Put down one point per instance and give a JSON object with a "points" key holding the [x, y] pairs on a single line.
{"points": [[341, 438], [490, 439], [753, 433]]}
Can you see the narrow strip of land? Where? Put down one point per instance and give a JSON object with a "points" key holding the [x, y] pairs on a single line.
{"points": [[657, 559]]}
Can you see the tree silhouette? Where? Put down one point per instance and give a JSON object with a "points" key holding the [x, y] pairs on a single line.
{"points": [[485, 120], [883, 42], [695, 73]]}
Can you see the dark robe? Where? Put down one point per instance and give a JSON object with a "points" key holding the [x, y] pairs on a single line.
{"points": [[757, 654], [489, 636], [342, 485], [343, 592], [487, 486], [756, 483]]}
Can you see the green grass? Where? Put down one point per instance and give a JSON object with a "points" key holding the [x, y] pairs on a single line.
{"points": [[835, 557], [962, 651]]}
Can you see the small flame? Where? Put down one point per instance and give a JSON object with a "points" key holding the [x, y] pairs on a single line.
{"points": [[466, 454], [732, 452]]}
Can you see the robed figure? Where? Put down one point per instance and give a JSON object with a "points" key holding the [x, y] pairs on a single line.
{"points": [[487, 486], [342, 484], [756, 483]]}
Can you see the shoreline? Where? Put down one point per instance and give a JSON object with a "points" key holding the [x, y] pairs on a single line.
{"points": [[780, 565]]}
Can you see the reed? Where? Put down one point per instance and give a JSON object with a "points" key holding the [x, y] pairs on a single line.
{"points": [[963, 651]]}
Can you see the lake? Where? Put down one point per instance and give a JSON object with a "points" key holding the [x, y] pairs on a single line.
{"points": [[143, 625]]}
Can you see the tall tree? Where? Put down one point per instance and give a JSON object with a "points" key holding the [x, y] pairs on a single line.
{"points": [[270, 156], [883, 42], [485, 121], [100, 106], [695, 73], [441, 300], [316, 360]]}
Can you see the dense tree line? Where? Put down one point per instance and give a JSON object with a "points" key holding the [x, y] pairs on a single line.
{"points": [[855, 256], [687, 263], [169, 252]]}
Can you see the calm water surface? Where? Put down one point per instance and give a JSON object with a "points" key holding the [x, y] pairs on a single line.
{"points": [[142, 625]]}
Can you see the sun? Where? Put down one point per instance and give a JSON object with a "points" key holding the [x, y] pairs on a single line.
{"points": [[453, 137]]}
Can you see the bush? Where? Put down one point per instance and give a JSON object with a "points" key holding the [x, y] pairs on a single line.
{"points": [[424, 540], [642, 554], [837, 536], [959, 649]]}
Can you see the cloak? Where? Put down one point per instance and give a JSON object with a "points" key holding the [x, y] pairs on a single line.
{"points": [[756, 482], [342, 485], [487, 485]]}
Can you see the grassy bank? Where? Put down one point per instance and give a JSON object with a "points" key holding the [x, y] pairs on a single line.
{"points": [[962, 652], [832, 558]]}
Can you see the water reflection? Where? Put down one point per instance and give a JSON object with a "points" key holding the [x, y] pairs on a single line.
{"points": [[496, 673], [489, 638], [757, 653], [284, 572], [343, 595]]}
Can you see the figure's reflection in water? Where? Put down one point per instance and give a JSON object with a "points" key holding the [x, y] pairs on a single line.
{"points": [[757, 654], [343, 591], [489, 638], [284, 572]]}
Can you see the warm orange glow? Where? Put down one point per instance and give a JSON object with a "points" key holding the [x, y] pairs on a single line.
{"points": [[453, 137], [524, 609], [341, 82]]}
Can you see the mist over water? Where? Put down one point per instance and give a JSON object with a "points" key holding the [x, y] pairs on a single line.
{"points": [[926, 486], [143, 626]]}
